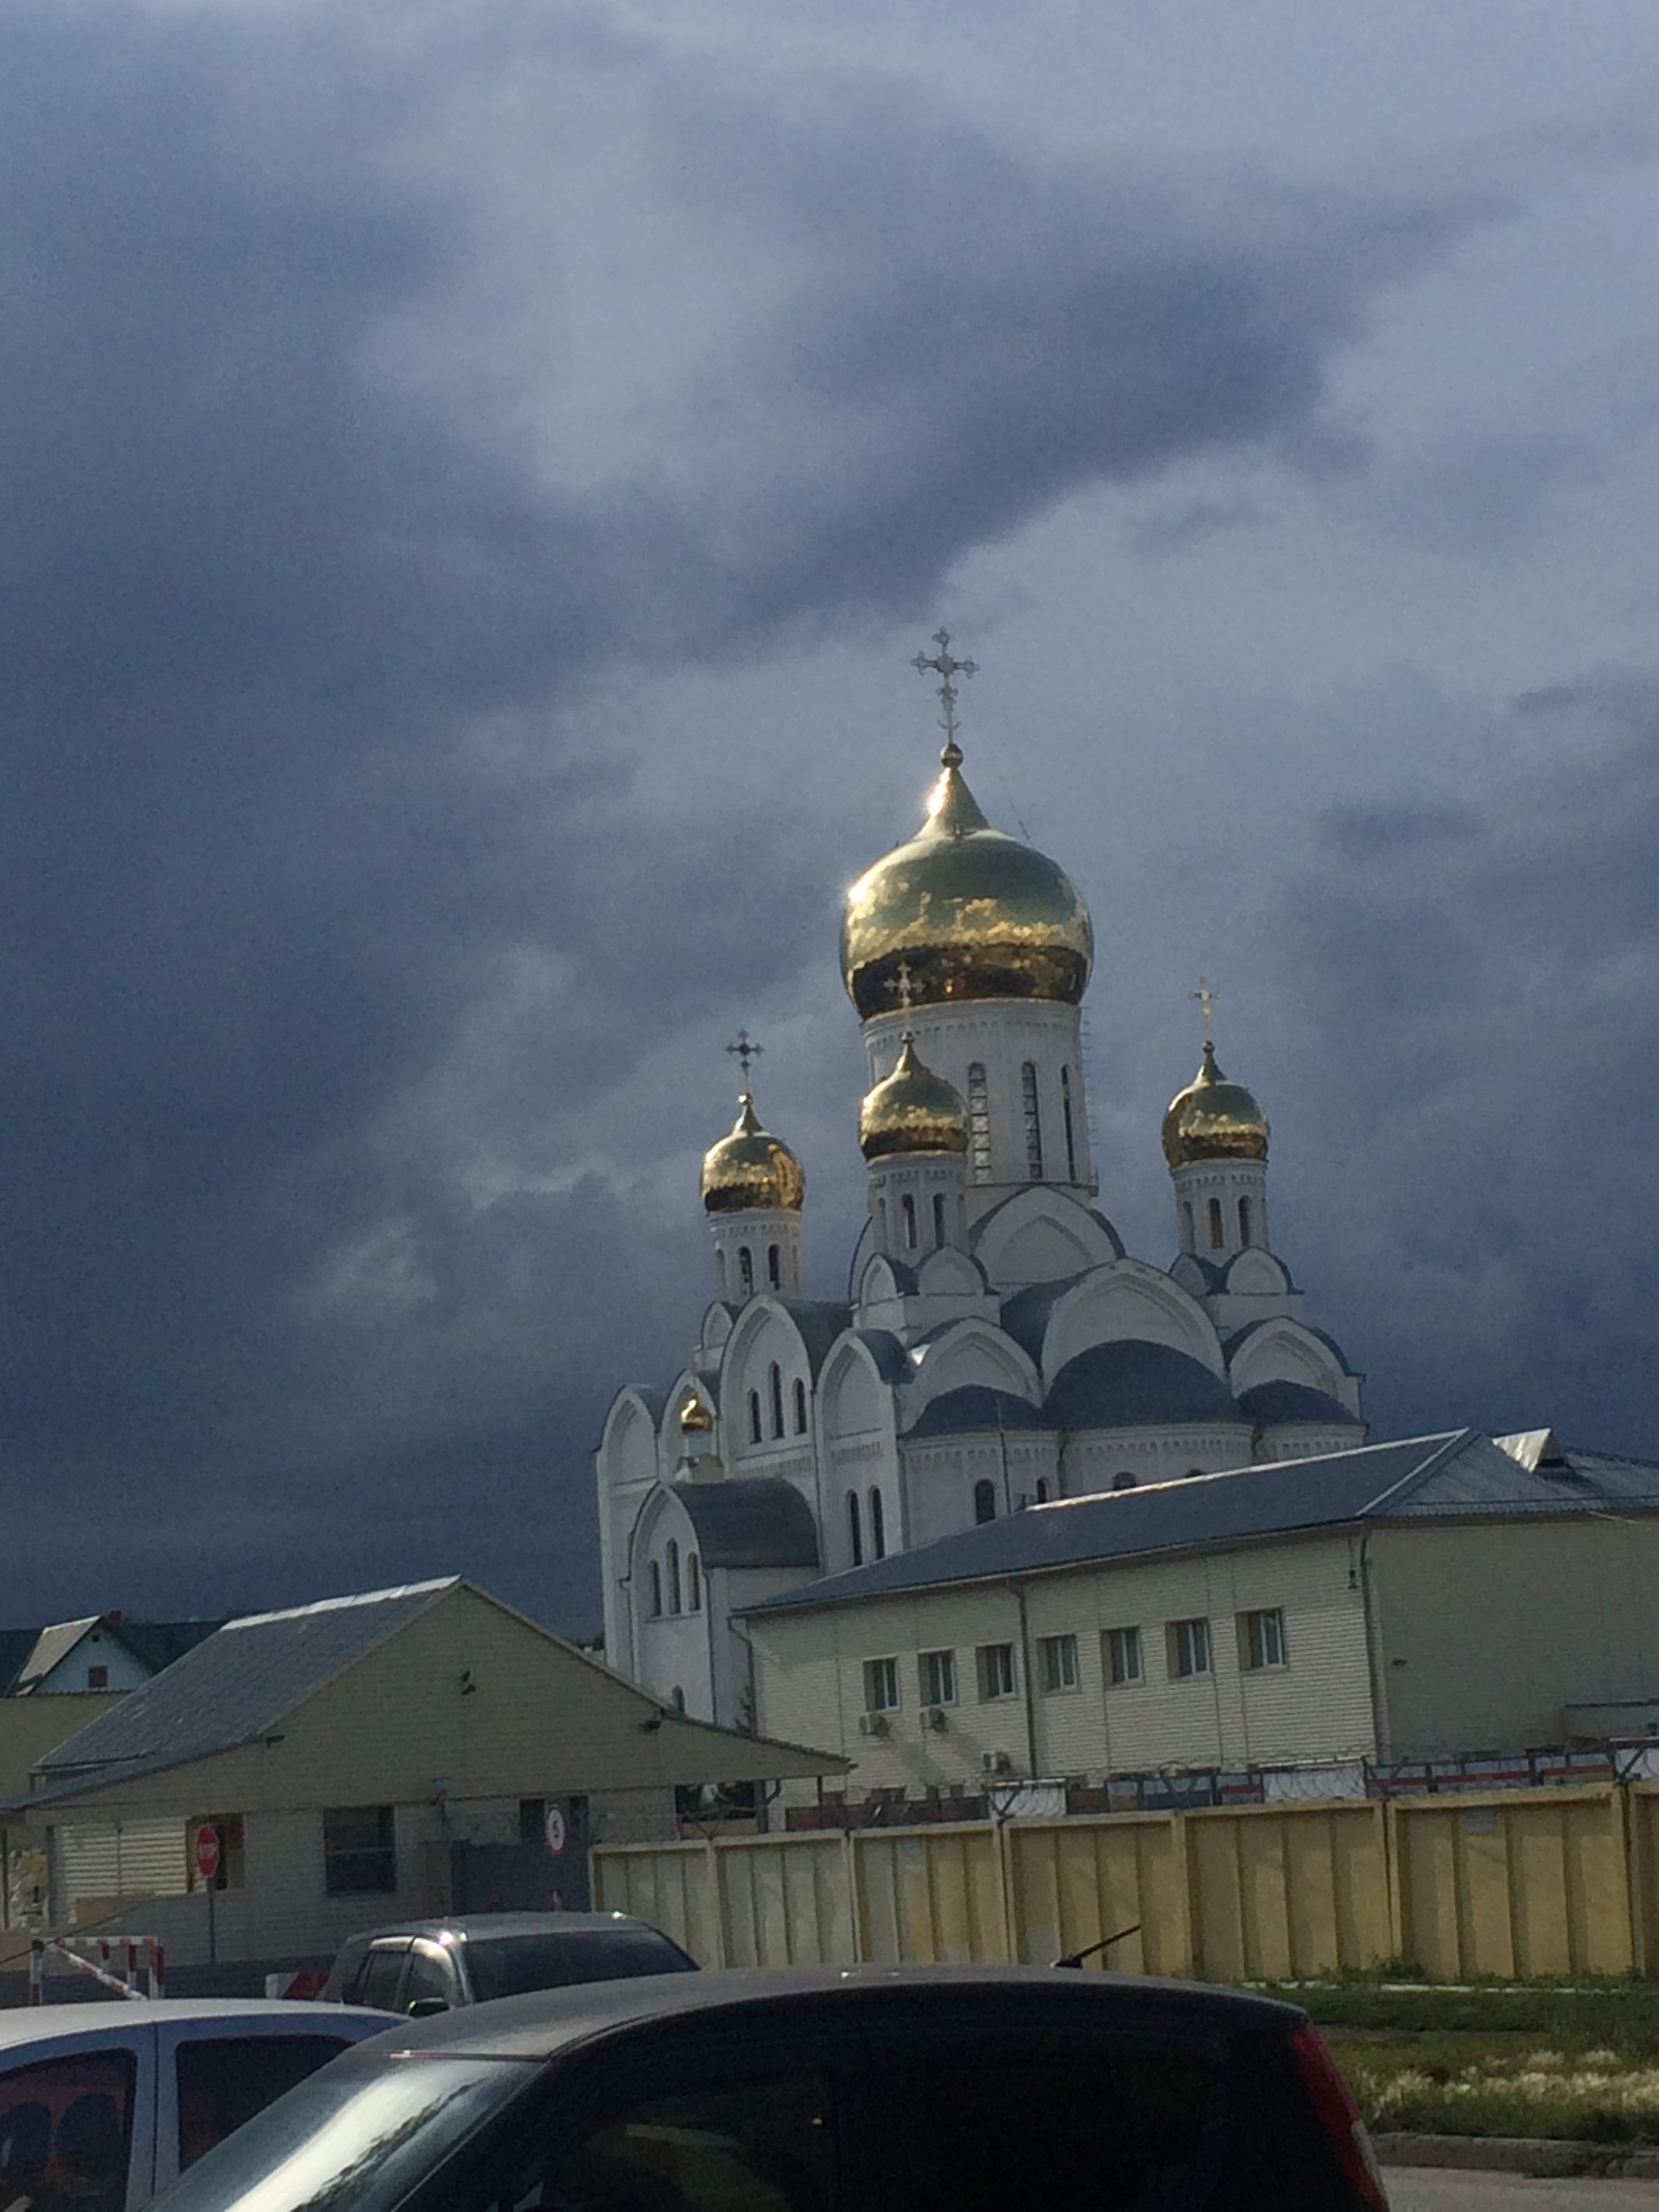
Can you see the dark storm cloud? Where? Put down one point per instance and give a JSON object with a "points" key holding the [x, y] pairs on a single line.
{"points": [[261, 876], [1485, 979]]}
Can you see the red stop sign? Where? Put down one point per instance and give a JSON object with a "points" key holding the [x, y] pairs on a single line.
{"points": [[206, 1852]]}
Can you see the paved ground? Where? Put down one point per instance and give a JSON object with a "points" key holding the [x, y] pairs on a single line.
{"points": [[1432, 2189]]}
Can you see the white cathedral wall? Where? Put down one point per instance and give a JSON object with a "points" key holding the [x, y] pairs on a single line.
{"points": [[1093, 1459], [1001, 1036], [939, 1479]]}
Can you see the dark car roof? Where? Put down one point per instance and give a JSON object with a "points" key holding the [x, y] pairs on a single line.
{"points": [[489, 1927], [546, 2020]]}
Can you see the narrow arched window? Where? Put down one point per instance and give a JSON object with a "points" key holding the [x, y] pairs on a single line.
{"points": [[800, 1408], [881, 1209], [1033, 1119], [979, 1124], [774, 1274], [680, 1698], [746, 1271], [985, 1499], [877, 1526], [673, 1575], [720, 1273], [1043, 1490], [1067, 1124], [909, 1206], [854, 1528], [754, 1417], [939, 1220], [693, 1584], [774, 1391], [1218, 1235], [1243, 1220], [656, 1591], [1188, 1234]]}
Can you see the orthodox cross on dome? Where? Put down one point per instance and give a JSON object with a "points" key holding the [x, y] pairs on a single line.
{"points": [[1208, 1000], [943, 665], [746, 1051], [903, 984]]}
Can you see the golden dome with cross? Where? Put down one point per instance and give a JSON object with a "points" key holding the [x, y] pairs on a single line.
{"points": [[912, 1110], [973, 913]]}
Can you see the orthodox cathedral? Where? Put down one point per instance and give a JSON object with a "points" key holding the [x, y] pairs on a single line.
{"points": [[999, 1347]]}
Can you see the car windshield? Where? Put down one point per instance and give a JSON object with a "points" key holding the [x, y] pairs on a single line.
{"points": [[508, 1966], [362, 2133]]}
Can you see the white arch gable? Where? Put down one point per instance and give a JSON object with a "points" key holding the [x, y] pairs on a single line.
{"points": [[1039, 1236], [1129, 1299], [1285, 1350], [854, 1397], [765, 1331], [1255, 1274], [716, 1326], [878, 1284], [970, 1352], [950, 1273], [627, 1446]]}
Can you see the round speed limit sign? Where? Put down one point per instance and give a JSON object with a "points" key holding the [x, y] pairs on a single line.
{"points": [[553, 1829]]}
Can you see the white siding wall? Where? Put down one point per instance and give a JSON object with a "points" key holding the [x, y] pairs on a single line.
{"points": [[810, 1671]]}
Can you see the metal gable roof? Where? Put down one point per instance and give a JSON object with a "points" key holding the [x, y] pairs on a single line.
{"points": [[1454, 1476], [237, 1685]]}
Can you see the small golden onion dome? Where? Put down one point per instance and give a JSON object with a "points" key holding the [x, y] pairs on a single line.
{"points": [[912, 1110], [1214, 1120], [750, 1171], [696, 1419], [971, 913]]}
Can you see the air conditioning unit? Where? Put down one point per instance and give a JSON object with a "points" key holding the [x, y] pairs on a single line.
{"points": [[935, 1716], [995, 1762], [874, 1724]]}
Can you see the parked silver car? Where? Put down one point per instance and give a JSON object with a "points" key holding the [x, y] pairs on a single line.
{"points": [[422, 1966], [103, 2104]]}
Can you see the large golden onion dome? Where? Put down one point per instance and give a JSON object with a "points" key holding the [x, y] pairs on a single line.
{"points": [[912, 1110], [971, 911], [1214, 1120], [750, 1171]]}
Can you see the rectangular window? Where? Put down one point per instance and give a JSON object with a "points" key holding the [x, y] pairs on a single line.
{"points": [[996, 1670], [1124, 1660], [881, 1685], [939, 1677], [359, 1854], [1262, 1643], [1190, 1647], [1057, 1660]]}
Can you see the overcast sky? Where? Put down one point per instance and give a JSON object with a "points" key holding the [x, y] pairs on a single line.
{"points": [[474, 476]]}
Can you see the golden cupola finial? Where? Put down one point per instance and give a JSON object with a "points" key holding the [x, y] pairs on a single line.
{"points": [[750, 1171], [912, 1110], [695, 1417], [1214, 1119], [976, 913]]}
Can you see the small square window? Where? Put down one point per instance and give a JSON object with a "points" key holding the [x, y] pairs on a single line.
{"points": [[881, 1685], [1190, 1648], [360, 1857], [1261, 1641], [98, 1678], [939, 1677], [1057, 1660], [1124, 1661], [995, 1664]]}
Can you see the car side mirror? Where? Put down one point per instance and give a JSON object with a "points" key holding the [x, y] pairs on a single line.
{"points": [[424, 2008]]}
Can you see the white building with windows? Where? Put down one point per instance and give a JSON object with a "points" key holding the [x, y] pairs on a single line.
{"points": [[997, 1346]]}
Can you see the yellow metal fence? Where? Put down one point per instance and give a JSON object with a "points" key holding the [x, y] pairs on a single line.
{"points": [[1510, 1883]]}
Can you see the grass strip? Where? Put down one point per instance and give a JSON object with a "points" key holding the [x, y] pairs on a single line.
{"points": [[1462, 2084]]}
